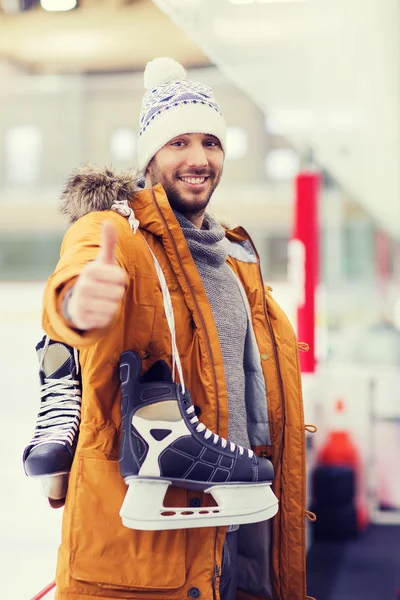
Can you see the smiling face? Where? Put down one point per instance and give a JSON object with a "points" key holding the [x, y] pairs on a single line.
{"points": [[189, 167]]}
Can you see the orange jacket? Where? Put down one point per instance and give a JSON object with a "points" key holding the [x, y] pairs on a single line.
{"points": [[98, 556]]}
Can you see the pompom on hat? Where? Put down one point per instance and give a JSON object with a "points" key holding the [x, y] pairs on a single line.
{"points": [[173, 105]]}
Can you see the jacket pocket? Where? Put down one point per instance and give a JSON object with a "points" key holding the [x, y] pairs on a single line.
{"points": [[106, 553]]}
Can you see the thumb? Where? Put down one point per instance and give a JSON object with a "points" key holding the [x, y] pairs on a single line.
{"points": [[108, 243]]}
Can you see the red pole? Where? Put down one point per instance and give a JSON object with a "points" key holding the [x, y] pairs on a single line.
{"points": [[305, 238], [45, 591]]}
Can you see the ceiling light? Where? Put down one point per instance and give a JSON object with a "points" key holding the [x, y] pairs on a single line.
{"points": [[58, 5], [242, 1]]}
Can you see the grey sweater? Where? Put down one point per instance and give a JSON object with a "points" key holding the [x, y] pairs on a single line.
{"points": [[230, 315]]}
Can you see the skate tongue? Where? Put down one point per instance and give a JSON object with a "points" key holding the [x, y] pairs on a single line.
{"points": [[56, 360]]}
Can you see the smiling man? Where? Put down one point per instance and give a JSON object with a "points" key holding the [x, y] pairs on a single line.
{"points": [[189, 167], [182, 138], [234, 343]]}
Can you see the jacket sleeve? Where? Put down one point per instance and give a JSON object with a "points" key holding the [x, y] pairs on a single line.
{"points": [[81, 245]]}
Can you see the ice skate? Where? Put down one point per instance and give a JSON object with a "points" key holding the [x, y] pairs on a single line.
{"points": [[50, 453], [164, 443]]}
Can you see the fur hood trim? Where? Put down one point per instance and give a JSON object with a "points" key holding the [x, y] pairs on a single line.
{"points": [[92, 188]]}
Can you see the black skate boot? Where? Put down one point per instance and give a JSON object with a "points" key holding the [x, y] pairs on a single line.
{"points": [[163, 443], [50, 453]]}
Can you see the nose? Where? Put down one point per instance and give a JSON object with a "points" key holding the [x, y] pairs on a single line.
{"points": [[196, 156]]}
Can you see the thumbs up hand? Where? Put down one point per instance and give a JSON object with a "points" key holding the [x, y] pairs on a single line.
{"points": [[100, 287], [106, 255]]}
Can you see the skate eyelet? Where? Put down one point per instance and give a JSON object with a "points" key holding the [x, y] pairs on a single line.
{"points": [[194, 592], [195, 502]]}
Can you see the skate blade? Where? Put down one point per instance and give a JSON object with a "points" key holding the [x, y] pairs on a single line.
{"points": [[54, 486], [237, 505]]}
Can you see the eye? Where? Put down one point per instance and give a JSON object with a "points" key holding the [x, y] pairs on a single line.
{"points": [[178, 143], [212, 143]]}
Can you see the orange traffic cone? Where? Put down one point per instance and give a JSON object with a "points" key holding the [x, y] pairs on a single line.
{"points": [[340, 450]]}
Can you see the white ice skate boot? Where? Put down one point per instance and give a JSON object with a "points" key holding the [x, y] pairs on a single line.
{"points": [[163, 443], [49, 454]]}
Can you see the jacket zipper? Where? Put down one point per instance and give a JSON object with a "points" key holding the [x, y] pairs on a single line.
{"points": [[208, 345], [217, 574]]}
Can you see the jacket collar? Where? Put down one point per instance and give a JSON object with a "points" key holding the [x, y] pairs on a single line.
{"points": [[153, 211]]}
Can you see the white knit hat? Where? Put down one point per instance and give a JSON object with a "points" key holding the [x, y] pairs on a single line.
{"points": [[173, 105]]}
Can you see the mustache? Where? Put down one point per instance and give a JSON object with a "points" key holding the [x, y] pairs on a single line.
{"points": [[196, 173]]}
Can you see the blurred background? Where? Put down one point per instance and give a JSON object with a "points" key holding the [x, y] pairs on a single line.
{"points": [[311, 92]]}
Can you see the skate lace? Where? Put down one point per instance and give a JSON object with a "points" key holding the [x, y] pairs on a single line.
{"points": [[60, 407], [201, 428], [59, 414]]}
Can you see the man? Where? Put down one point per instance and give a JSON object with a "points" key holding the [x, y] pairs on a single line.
{"points": [[105, 298]]}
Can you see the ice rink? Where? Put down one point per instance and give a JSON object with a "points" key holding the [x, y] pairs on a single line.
{"points": [[30, 528]]}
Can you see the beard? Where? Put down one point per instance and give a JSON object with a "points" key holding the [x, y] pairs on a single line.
{"points": [[187, 202]]}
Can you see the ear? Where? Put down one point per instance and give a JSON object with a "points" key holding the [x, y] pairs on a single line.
{"points": [[148, 178]]}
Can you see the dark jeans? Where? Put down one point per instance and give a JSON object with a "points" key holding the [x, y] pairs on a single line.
{"points": [[228, 582]]}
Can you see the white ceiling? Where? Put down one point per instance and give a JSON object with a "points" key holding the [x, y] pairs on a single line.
{"points": [[326, 73], [101, 35]]}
